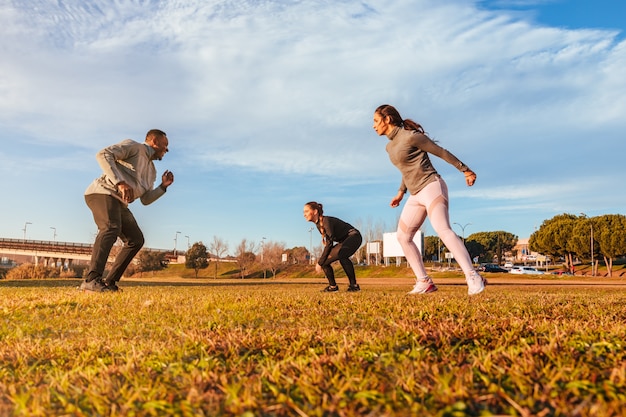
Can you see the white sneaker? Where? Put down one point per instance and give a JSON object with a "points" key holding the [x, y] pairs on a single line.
{"points": [[475, 283], [423, 286]]}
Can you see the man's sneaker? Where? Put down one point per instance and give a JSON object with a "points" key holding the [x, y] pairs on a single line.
{"points": [[354, 288], [475, 283], [112, 286], [331, 288], [95, 285], [423, 286]]}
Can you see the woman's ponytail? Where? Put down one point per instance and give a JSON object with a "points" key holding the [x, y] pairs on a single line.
{"points": [[395, 119]]}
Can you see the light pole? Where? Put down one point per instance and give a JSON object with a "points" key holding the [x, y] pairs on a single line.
{"points": [[175, 242], [24, 229], [54, 234], [463, 229], [311, 246], [187, 242]]}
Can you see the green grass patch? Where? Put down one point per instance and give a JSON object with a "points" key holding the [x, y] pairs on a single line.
{"points": [[287, 349]]}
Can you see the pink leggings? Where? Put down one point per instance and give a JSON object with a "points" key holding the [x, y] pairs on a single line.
{"points": [[431, 201]]}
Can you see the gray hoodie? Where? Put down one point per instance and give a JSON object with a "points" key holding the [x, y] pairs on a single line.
{"points": [[131, 162]]}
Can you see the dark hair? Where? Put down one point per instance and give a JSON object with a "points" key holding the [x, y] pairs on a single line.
{"points": [[155, 133], [320, 213], [316, 206], [395, 119]]}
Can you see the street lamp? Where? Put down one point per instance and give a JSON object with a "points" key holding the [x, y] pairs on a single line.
{"points": [[54, 235], [463, 229], [175, 241], [187, 242], [24, 229]]}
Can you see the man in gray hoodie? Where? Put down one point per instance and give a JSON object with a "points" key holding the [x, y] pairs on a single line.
{"points": [[128, 174]]}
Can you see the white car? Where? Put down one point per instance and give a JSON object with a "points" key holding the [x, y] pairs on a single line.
{"points": [[508, 265], [525, 270]]}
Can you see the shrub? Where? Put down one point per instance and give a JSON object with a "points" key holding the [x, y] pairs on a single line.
{"points": [[76, 271], [30, 271], [147, 261]]}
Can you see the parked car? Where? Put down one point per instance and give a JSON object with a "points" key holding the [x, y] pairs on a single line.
{"points": [[508, 265], [561, 272], [525, 270], [491, 268]]}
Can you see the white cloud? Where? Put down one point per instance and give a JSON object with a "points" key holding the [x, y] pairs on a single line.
{"points": [[289, 87]]}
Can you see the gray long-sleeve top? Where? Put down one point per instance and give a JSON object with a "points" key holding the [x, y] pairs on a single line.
{"points": [[408, 150], [131, 162]]}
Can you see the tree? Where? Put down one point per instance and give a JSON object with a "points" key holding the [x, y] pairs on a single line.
{"points": [[554, 238], [298, 255], [219, 249], [610, 232], [150, 260], [568, 235], [476, 249], [431, 247], [196, 257], [273, 256], [371, 232], [490, 245], [245, 256], [579, 242]]}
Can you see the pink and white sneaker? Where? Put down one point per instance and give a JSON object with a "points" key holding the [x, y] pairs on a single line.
{"points": [[423, 286], [475, 283]]}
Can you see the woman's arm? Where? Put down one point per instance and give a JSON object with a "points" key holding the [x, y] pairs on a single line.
{"points": [[426, 144]]}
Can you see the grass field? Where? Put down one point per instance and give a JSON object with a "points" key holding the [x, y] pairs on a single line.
{"points": [[281, 348]]}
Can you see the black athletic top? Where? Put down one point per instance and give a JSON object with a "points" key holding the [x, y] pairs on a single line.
{"points": [[333, 230]]}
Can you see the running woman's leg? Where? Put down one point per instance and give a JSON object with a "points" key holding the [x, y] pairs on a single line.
{"points": [[435, 195], [411, 219]]}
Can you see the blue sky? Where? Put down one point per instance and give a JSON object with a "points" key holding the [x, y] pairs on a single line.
{"points": [[268, 105]]}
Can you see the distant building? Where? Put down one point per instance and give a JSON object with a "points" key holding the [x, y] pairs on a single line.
{"points": [[521, 252], [392, 248]]}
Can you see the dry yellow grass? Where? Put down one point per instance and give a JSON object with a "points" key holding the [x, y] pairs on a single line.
{"points": [[283, 348]]}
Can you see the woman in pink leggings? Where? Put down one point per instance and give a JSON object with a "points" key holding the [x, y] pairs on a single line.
{"points": [[408, 150]]}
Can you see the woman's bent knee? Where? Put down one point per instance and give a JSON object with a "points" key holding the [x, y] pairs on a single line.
{"points": [[404, 238]]}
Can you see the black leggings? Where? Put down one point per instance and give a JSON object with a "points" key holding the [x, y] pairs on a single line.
{"points": [[342, 252]]}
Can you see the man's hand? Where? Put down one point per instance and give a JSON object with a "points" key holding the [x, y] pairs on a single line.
{"points": [[167, 179], [126, 192], [318, 268]]}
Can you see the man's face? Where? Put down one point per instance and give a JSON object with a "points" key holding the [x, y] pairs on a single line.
{"points": [[159, 144]]}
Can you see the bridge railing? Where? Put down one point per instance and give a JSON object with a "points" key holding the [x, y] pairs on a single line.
{"points": [[60, 247], [45, 245]]}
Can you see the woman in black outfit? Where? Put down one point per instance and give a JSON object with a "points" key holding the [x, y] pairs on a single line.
{"points": [[340, 240]]}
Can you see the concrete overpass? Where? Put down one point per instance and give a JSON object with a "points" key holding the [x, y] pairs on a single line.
{"points": [[52, 253], [46, 252]]}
